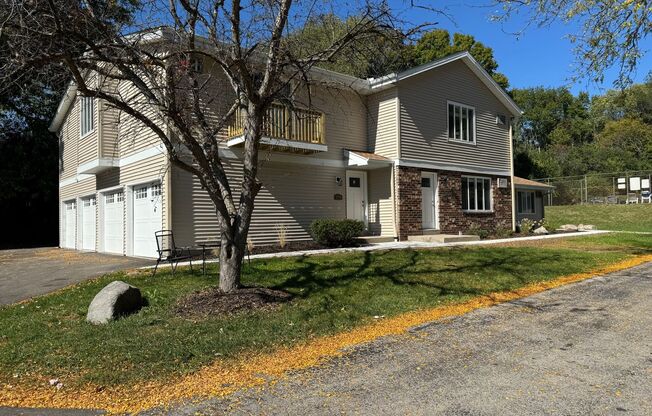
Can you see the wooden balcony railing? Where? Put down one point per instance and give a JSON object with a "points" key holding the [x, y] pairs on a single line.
{"points": [[283, 123]]}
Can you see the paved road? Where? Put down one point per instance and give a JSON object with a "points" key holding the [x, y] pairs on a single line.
{"points": [[26, 273], [576, 350]]}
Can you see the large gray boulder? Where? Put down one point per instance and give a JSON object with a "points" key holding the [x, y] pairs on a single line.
{"points": [[115, 300]]}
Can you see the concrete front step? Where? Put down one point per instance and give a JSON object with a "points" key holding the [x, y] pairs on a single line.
{"points": [[431, 232], [443, 238], [373, 239]]}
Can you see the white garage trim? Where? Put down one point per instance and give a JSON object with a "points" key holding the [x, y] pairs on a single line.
{"points": [[113, 211]]}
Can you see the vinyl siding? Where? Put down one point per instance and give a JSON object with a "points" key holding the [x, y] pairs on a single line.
{"points": [[288, 198], [382, 123], [381, 208], [424, 118]]}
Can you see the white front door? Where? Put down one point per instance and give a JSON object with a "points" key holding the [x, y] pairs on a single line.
{"points": [[356, 195], [147, 219], [88, 223], [429, 200], [114, 222], [69, 223]]}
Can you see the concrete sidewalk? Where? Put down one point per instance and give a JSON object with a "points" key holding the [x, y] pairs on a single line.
{"points": [[398, 245]]}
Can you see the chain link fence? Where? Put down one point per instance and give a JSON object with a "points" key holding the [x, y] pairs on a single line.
{"points": [[602, 188]]}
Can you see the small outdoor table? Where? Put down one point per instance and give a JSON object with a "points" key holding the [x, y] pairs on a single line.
{"points": [[205, 246]]}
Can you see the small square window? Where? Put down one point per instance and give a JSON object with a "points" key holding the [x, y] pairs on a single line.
{"points": [[110, 198], [120, 196], [141, 193], [425, 182], [354, 182], [156, 190]]}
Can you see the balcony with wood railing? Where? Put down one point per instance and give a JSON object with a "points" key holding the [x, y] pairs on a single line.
{"points": [[285, 128]]}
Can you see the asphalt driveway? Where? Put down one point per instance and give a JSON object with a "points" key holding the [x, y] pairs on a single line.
{"points": [[581, 349], [26, 273]]}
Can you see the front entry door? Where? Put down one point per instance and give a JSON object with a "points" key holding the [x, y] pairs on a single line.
{"points": [[356, 195], [429, 200]]}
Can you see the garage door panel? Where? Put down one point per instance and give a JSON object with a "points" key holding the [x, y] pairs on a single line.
{"points": [[147, 219], [114, 222], [69, 224], [88, 223]]}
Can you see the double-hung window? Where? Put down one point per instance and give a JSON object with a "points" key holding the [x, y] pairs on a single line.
{"points": [[476, 194], [87, 115], [525, 202], [461, 123]]}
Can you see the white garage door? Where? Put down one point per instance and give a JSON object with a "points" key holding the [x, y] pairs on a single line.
{"points": [[147, 219], [113, 222], [69, 223], [88, 223]]}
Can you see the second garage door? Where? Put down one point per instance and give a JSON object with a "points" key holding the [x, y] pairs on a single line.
{"points": [[147, 219], [88, 223], [113, 222]]}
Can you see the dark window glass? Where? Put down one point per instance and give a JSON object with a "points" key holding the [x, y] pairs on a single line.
{"points": [[354, 182], [425, 182], [470, 137], [451, 121], [487, 194], [472, 193]]}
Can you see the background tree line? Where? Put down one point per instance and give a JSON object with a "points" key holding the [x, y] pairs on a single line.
{"points": [[560, 134]]}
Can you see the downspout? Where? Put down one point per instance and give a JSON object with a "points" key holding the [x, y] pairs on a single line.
{"points": [[511, 169], [397, 235]]}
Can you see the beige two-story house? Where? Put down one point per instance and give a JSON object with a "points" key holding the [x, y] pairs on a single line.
{"points": [[420, 151]]}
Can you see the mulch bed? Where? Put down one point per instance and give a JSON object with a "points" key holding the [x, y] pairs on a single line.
{"points": [[290, 246], [214, 302]]}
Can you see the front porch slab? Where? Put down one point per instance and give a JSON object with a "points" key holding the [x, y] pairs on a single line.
{"points": [[443, 238]]}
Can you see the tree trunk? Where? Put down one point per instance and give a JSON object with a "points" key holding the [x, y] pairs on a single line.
{"points": [[231, 256], [236, 229]]}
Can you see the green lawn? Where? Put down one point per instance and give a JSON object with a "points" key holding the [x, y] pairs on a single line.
{"points": [[633, 217], [48, 337]]}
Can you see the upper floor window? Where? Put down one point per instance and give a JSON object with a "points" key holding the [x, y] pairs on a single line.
{"points": [[476, 194], [461, 122], [87, 115], [525, 202]]}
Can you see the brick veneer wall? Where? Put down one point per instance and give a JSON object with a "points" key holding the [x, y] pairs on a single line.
{"points": [[408, 195], [451, 217]]}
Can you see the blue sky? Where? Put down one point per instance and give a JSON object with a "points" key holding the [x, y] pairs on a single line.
{"points": [[541, 56]]}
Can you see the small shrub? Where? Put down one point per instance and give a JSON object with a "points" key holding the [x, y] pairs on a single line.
{"points": [[282, 235], [527, 225], [503, 232], [336, 233], [475, 229]]}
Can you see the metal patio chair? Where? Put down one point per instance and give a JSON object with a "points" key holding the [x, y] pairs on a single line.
{"points": [[169, 252]]}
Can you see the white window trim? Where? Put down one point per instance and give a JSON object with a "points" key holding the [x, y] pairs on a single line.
{"points": [[534, 209], [81, 116], [491, 196], [475, 124]]}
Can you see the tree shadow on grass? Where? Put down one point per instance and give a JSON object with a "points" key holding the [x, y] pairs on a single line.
{"points": [[454, 272]]}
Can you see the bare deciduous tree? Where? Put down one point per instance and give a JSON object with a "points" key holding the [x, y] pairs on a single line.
{"points": [[107, 45]]}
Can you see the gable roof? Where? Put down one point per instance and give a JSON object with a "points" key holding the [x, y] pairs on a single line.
{"points": [[387, 81], [362, 86], [527, 183]]}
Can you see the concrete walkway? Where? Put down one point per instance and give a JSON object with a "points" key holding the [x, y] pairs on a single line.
{"points": [[26, 273], [575, 350], [398, 245]]}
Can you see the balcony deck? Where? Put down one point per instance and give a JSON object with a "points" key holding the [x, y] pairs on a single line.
{"points": [[285, 129]]}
